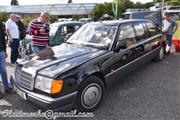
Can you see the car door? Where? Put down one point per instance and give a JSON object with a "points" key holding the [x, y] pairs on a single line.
{"points": [[141, 36], [126, 36], [151, 37], [122, 58]]}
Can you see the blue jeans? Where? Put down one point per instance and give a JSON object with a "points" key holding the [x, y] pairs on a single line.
{"points": [[36, 49], [3, 72], [14, 50], [168, 40]]}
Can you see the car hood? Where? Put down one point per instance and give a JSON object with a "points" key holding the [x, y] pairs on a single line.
{"points": [[64, 53]]}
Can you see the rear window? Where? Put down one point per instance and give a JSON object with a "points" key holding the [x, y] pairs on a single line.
{"points": [[152, 29], [139, 30], [126, 34]]}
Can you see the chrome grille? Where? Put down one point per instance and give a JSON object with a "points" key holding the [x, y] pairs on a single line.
{"points": [[23, 78]]}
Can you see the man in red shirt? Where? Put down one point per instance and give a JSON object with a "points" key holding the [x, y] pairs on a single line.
{"points": [[39, 29]]}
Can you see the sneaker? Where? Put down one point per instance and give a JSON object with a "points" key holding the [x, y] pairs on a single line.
{"points": [[1, 96], [168, 48]]}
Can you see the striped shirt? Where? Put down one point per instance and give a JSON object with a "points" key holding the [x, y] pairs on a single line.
{"points": [[39, 39]]}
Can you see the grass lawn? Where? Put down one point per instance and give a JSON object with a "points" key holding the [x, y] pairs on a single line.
{"points": [[177, 34]]}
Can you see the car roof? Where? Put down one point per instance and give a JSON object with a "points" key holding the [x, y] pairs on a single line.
{"points": [[66, 23], [117, 22]]}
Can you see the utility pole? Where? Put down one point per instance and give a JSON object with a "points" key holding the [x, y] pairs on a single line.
{"points": [[162, 9], [115, 8]]}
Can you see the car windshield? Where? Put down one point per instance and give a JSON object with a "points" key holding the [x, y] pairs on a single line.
{"points": [[95, 35]]}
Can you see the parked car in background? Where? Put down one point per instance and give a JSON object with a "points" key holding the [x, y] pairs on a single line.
{"points": [[58, 34], [65, 19], [154, 16], [93, 59], [174, 11], [85, 20]]}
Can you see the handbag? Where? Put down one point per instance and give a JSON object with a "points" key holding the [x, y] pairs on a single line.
{"points": [[47, 53]]}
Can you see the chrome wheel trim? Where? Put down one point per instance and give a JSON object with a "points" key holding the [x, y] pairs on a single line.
{"points": [[91, 95], [161, 53]]}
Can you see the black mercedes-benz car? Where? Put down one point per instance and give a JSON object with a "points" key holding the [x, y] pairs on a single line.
{"points": [[93, 59]]}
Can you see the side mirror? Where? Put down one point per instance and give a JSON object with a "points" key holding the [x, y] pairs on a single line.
{"points": [[120, 46]]}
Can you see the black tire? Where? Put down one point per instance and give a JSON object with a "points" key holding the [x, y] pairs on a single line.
{"points": [[160, 55], [90, 94]]}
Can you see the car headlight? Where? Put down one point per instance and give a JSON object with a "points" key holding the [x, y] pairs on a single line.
{"points": [[48, 85]]}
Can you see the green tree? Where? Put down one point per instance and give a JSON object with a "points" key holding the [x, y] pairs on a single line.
{"points": [[27, 20], [75, 17], [173, 2], [125, 5], [3, 17], [148, 5], [169, 2], [14, 2], [53, 18], [101, 9]]}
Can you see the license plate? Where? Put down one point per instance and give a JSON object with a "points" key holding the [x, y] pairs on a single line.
{"points": [[21, 94]]}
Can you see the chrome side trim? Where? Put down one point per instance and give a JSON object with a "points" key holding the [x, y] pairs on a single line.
{"points": [[132, 62]]}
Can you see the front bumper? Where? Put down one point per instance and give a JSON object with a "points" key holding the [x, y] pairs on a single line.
{"points": [[64, 103]]}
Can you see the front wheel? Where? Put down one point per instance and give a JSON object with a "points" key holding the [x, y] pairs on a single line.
{"points": [[90, 94]]}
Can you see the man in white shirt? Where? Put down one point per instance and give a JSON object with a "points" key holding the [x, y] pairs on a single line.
{"points": [[13, 36]]}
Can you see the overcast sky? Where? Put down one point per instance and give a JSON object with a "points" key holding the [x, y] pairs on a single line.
{"points": [[37, 2]]}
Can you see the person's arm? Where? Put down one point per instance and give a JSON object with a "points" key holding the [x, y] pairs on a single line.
{"points": [[8, 31], [175, 27], [8, 35], [33, 30]]}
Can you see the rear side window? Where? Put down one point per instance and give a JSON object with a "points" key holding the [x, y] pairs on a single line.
{"points": [[146, 30], [126, 34], [139, 30], [152, 29]]}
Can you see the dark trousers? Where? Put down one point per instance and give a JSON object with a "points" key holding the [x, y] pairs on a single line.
{"points": [[14, 50], [168, 40]]}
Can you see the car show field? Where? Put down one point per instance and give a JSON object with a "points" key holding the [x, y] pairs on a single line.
{"points": [[177, 34]]}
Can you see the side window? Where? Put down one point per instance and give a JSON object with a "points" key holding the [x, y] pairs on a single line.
{"points": [[139, 30], [59, 31], [59, 37], [70, 30], [126, 34], [152, 29], [146, 30]]}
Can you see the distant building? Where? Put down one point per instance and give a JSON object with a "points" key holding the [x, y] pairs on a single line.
{"points": [[53, 9]]}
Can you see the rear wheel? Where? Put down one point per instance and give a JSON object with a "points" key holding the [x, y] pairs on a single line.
{"points": [[90, 94], [160, 55]]}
